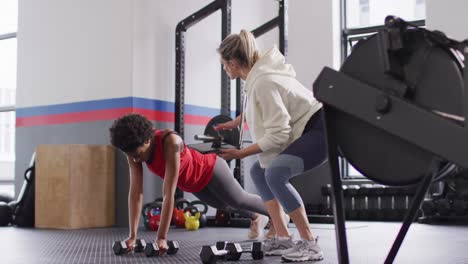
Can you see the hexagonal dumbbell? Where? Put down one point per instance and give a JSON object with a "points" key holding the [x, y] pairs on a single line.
{"points": [[152, 249], [210, 254], [235, 250], [229, 252], [120, 247], [140, 245]]}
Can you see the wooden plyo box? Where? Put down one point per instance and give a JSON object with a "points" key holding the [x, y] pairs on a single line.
{"points": [[75, 186]]}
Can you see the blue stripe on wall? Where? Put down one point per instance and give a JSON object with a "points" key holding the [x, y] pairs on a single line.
{"points": [[124, 102], [74, 107]]}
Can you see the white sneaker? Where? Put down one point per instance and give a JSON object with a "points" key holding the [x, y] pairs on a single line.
{"points": [[277, 247], [304, 250], [257, 226], [271, 233]]}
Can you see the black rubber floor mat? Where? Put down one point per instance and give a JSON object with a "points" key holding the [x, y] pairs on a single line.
{"points": [[424, 244]]}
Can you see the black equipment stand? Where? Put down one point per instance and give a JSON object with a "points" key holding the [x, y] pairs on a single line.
{"points": [[182, 27], [396, 111]]}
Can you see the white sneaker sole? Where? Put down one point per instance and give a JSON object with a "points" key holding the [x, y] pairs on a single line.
{"points": [[316, 257]]}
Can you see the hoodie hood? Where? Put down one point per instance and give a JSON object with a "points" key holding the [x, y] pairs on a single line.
{"points": [[270, 62]]}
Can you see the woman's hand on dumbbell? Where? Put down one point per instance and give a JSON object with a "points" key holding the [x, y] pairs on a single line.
{"points": [[162, 245], [130, 241]]}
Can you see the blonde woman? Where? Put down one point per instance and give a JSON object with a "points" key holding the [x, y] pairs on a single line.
{"points": [[285, 122]]}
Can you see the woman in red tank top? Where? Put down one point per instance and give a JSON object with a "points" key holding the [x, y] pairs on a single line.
{"points": [[165, 154], [195, 169]]}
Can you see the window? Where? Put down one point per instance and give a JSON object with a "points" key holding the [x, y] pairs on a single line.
{"points": [[361, 18], [367, 13], [8, 57]]}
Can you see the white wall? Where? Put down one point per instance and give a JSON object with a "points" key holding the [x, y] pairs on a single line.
{"points": [[154, 47], [448, 17], [313, 37], [312, 28], [72, 51]]}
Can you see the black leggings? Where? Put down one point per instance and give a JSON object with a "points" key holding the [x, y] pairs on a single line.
{"points": [[225, 193]]}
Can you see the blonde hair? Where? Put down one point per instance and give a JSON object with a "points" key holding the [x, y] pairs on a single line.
{"points": [[241, 47]]}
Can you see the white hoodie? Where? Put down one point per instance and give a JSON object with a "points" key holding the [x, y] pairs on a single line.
{"points": [[278, 106]]}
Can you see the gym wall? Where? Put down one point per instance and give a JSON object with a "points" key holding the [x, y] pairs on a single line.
{"points": [[448, 18], [83, 63]]}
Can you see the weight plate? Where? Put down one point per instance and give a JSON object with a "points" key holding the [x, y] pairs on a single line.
{"points": [[435, 81]]}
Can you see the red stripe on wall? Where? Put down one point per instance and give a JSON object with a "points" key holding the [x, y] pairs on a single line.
{"points": [[169, 117], [100, 115]]}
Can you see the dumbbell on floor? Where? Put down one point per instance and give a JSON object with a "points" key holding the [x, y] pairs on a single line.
{"points": [[231, 252], [120, 247], [256, 249], [236, 250], [210, 254], [152, 249]]}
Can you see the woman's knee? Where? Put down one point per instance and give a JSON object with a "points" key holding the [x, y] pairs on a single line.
{"points": [[277, 177], [282, 169], [284, 192]]}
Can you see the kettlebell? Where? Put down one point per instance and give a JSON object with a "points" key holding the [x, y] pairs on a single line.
{"points": [[178, 213], [149, 210], [203, 211], [181, 203], [154, 222], [192, 222], [178, 218], [153, 206], [154, 215]]}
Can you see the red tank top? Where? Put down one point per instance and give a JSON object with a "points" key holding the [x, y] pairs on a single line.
{"points": [[195, 170]]}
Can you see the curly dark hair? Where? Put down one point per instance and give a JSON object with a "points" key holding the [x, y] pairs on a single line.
{"points": [[130, 131]]}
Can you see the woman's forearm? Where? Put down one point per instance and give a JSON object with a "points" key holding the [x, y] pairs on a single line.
{"points": [[166, 216], [135, 201], [251, 150], [172, 149]]}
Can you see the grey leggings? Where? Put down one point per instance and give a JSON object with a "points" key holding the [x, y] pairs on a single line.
{"points": [[304, 154], [224, 192]]}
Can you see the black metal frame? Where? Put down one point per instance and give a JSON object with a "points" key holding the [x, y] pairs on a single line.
{"points": [[182, 26], [347, 32], [338, 202], [280, 21], [355, 34], [333, 89]]}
